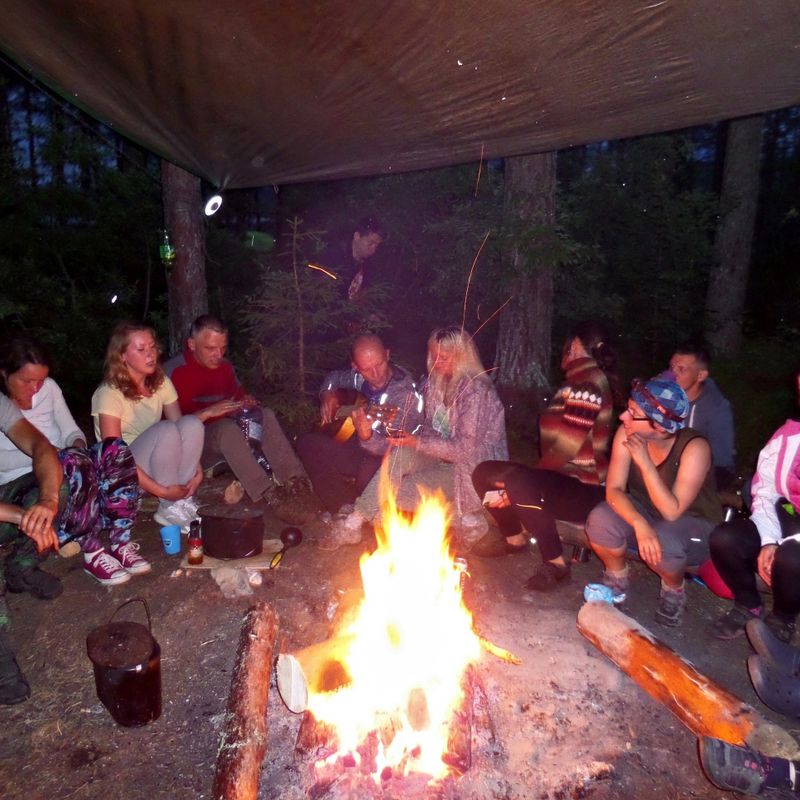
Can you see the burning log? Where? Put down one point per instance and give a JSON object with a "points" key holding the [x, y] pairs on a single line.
{"points": [[244, 737], [697, 701]]}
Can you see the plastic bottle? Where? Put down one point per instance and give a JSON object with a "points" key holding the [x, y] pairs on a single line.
{"points": [[250, 423], [195, 543]]}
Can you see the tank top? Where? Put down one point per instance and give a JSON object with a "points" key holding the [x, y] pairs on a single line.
{"points": [[705, 505]]}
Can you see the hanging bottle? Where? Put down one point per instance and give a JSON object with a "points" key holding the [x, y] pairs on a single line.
{"points": [[166, 250], [249, 420]]}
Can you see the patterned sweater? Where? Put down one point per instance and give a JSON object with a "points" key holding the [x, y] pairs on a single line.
{"points": [[575, 429], [477, 432]]}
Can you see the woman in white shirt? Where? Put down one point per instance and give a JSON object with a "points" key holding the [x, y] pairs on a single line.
{"points": [[100, 491], [130, 402]]}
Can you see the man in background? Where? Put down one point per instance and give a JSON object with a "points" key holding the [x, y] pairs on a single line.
{"points": [[349, 259], [709, 411]]}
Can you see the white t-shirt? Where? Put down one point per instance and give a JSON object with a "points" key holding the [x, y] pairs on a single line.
{"points": [[48, 414], [135, 416]]}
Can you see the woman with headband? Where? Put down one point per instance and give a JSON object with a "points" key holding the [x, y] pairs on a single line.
{"points": [[660, 496]]}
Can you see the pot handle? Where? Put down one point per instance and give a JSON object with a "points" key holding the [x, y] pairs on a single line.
{"points": [[135, 600]]}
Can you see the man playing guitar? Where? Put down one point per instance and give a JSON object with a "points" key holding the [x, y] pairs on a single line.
{"points": [[341, 467]]}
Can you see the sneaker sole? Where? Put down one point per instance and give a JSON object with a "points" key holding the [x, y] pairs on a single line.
{"points": [[112, 581], [138, 570]]}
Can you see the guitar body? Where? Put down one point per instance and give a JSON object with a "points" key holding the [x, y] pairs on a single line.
{"points": [[342, 428]]}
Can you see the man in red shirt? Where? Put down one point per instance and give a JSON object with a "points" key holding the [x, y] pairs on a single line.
{"points": [[207, 387]]}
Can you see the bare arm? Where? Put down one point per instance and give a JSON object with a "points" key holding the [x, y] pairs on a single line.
{"points": [[37, 521], [618, 498], [673, 502]]}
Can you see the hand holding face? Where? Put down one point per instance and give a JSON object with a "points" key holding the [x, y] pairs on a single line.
{"points": [[637, 447]]}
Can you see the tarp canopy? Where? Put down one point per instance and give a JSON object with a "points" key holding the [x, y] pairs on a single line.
{"points": [[253, 92]]}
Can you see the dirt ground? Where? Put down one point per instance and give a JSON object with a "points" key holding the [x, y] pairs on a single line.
{"points": [[569, 724]]}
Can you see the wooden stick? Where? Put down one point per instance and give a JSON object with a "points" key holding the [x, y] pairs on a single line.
{"points": [[697, 701], [243, 741]]}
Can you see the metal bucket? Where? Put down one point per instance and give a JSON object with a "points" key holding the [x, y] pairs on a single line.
{"points": [[127, 668]]}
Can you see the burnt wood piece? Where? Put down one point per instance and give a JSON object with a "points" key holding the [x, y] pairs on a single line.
{"points": [[314, 736], [243, 741], [695, 699], [459, 736]]}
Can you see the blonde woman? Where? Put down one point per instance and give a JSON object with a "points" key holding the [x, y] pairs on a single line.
{"points": [[130, 402], [464, 425]]}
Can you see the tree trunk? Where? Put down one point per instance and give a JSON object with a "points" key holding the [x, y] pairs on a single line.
{"points": [[188, 294], [523, 342], [727, 283]]}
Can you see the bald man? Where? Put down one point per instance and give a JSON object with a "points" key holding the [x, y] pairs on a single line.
{"points": [[339, 470]]}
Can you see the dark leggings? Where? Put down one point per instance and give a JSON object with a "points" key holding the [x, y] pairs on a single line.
{"points": [[735, 546], [538, 498]]}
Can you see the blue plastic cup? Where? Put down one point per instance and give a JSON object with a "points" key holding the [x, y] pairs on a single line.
{"points": [[171, 539]]}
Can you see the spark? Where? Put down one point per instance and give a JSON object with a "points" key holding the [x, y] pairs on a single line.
{"points": [[322, 269], [469, 279], [480, 169], [490, 317]]}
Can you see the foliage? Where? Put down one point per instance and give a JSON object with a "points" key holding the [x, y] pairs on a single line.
{"points": [[69, 241]]}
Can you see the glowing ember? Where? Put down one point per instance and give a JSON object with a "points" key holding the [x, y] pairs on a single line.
{"points": [[412, 639]]}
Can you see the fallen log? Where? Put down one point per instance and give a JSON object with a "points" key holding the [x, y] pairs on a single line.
{"points": [[696, 700], [243, 741]]}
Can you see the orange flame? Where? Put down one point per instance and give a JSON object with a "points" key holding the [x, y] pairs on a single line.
{"points": [[411, 640]]}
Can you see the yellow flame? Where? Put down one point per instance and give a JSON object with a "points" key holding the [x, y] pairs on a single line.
{"points": [[411, 640]]}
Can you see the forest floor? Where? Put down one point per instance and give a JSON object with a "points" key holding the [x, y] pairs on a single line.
{"points": [[569, 724]]}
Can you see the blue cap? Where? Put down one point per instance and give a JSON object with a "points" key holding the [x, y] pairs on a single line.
{"points": [[662, 401]]}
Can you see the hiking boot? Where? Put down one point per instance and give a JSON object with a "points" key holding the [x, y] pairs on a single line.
{"points": [[779, 654], [33, 580], [547, 577], [731, 625], [495, 545], [783, 629], [670, 606], [735, 769], [103, 567], [128, 556], [13, 686], [619, 585]]}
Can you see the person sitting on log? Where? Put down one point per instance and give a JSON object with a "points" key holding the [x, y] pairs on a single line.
{"points": [[207, 387], [341, 465], [464, 425], [660, 495], [100, 482], [129, 404], [574, 435], [765, 544]]}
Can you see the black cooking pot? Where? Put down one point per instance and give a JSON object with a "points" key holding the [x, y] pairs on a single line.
{"points": [[232, 531]]}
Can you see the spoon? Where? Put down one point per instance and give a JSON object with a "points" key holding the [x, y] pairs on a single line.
{"points": [[291, 537]]}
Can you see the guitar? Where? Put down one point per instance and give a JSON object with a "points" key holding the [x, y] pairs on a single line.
{"points": [[342, 427]]}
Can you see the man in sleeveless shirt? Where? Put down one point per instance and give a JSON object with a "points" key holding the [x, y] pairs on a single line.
{"points": [[660, 496]]}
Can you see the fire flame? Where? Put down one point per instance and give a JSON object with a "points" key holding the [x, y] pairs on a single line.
{"points": [[409, 643]]}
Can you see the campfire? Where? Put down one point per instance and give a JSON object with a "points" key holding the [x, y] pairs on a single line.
{"points": [[402, 652]]}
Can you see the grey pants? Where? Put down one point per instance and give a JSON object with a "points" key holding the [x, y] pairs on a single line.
{"points": [[225, 442], [170, 451], [683, 541], [408, 471]]}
